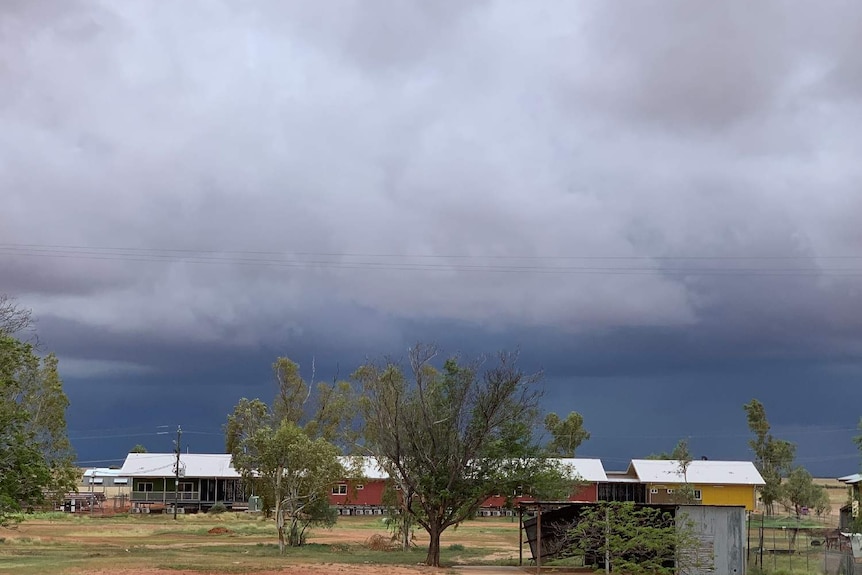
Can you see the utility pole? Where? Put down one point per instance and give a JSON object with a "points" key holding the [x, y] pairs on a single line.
{"points": [[177, 472]]}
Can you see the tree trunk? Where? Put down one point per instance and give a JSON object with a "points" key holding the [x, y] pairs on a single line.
{"points": [[406, 520], [433, 558], [279, 510], [279, 521], [405, 532]]}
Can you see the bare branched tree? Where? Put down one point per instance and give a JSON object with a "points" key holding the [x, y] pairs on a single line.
{"points": [[13, 318]]}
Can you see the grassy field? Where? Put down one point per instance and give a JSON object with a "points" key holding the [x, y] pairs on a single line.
{"points": [[241, 543], [228, 543]]}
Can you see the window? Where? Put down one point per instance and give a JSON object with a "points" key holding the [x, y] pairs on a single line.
{"points": [[96, 480], [186, 487], [121, 481], [697, 495], [360, 487], [145, 486], [340, 489], [653, 491]]}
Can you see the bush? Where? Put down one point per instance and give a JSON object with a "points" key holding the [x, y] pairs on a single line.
{"points": [[217, 508]]}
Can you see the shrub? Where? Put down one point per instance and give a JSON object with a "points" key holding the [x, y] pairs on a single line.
{"points": [[217, 508]]}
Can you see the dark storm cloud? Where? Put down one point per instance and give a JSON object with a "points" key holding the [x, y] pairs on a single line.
{"points": [[373, 174]]}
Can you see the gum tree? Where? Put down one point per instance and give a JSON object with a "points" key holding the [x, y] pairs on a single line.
{"points": [[287, 452], [452, 437], [36, 457], [772, 457]]}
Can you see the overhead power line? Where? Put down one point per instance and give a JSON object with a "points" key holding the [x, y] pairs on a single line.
{"points": [[803, 266]]}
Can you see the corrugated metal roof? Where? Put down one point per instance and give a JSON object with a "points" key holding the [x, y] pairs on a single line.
{"points": [[851, 479], [590, 470], [104, 472], [587, 469], [621, 478], [699, 472], [366, 466], [193, 465]]}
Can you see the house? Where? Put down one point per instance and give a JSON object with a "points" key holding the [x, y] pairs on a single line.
{"points": [[854, 492], [586, 473], [713, 482], [107, 480], [363, 493], [622, 486], [204, 479]]}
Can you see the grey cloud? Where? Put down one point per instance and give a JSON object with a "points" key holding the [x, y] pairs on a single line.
{"points": [[374, 174]]}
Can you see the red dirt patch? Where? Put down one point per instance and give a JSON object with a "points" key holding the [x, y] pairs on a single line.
{"points": [[219, 531]]}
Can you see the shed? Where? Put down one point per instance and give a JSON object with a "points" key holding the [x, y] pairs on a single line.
{"points": [[719, 531]]}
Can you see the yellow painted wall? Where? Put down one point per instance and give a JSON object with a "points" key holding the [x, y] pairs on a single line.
{"points": [[728, 495]]}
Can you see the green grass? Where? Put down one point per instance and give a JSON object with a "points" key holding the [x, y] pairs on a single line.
{"points": [[781, 521]]}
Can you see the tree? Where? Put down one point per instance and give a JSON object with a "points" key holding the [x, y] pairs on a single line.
{"points": [[42, 397], [450, 438], [856, 489], [138, 449], [327, 413], [682, 455], [566, 434], [800, 491], [634, 539], [299, 472], [13, 318], [36, 459], [286, 452], [773, 457]]}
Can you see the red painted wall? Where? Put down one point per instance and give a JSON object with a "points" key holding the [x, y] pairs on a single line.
{"points": [[588, 492], [370, 494]]}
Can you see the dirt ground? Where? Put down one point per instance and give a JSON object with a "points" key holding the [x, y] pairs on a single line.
{"points": [[333, 569], [207, 545]]}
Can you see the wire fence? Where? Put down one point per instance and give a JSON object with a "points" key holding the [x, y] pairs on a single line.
{"points": [[799, 549]]}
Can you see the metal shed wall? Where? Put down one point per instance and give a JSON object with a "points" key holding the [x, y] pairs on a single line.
{"points": [[720, 531]]}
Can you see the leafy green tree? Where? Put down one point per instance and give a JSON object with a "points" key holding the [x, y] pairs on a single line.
{"points": [[566, 434], [856, 490], [772, 457], [858, 439], [24, 473], [42, 397], [682, 455], [299, 472], [286, 453], [138, 449], [800, 491], [36, 458], [451, 438], [325, 410], [634, 539]]}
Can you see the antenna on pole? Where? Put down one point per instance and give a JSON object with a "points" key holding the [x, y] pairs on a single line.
{"points": [[177, 450], [177, 471]]}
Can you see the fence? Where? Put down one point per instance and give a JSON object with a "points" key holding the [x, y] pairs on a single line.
{"points": [[799, 549]]}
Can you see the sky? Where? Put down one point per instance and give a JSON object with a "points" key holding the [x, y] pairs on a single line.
{"points": [[656, 202]]}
